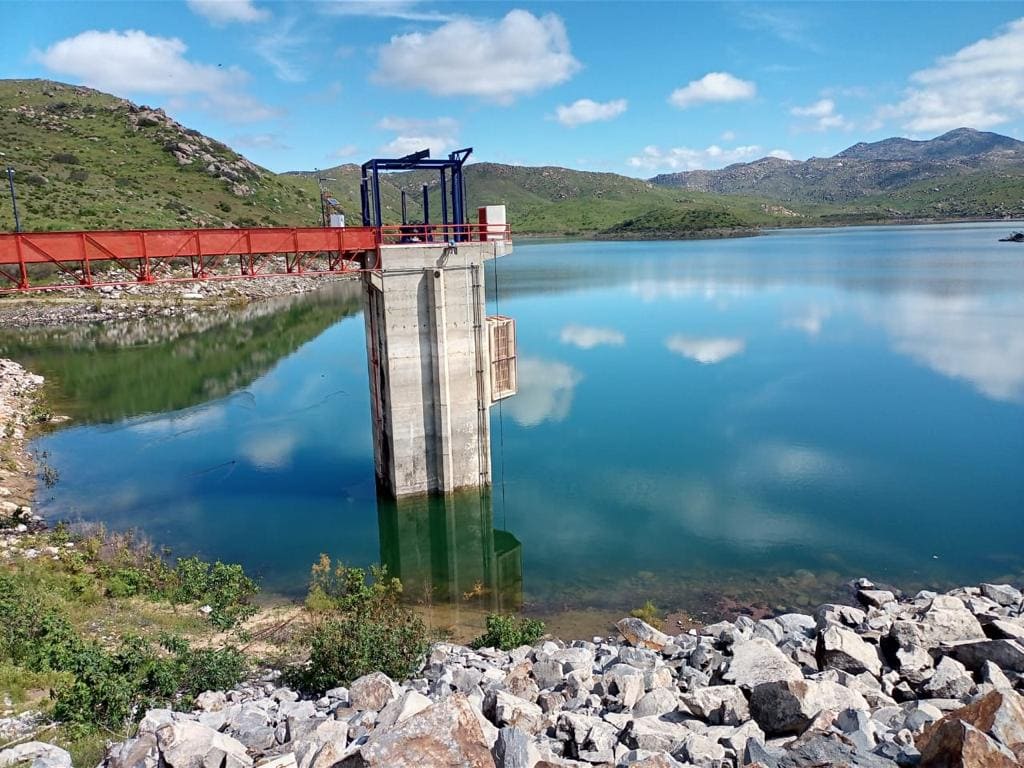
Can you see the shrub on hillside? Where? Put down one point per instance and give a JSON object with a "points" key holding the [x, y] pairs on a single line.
{"points": [[360, 626]]}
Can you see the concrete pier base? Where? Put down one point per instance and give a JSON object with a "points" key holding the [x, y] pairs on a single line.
{"points": [[447, 553], [429, 365]]}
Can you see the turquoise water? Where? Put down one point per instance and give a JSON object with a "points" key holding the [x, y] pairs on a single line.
{"points": [[757, 418]]}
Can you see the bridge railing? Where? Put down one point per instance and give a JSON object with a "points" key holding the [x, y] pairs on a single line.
{"points": [[409, 234], [85, 258]]}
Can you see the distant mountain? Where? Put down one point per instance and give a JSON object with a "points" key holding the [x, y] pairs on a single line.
{"points": [[863, 170], [959, 144]]}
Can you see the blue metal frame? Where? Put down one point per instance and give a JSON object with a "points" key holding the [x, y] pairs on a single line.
{"points": [[453, 185]]}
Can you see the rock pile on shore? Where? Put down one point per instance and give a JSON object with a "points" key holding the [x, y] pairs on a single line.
{"points": [[928, 680], [107, 303], [17, 391]]}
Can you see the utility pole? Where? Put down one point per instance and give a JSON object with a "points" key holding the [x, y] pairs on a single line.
{"points": [[321, 180], [14, 198]]}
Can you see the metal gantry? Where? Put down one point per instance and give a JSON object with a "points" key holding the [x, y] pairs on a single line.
{"points": [[452, 188]]}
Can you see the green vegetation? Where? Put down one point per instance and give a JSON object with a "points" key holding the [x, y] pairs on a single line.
{"points": [[358, 626], [105, 379], [665, 222], [508, 632], [91, 634], [87, 160], [649, 613]]}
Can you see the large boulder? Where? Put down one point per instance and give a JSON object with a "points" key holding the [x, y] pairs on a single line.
{"points": [[757, 661], [36, 754], [445, 735], [999, 714], [951, 680], [1004, 594], [372, 691], [788, 706], [402, 708], [844, 649], [642, 635], [719, 704], [504, 709], [186, 744], [953, 742], [948, 620], [308, 738], [1006, 654]]}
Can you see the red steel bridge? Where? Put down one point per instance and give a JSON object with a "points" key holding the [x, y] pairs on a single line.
{"points": [[85, 259]]}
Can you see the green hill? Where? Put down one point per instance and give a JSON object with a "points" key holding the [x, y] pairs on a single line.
{"points": [[88, 160]]}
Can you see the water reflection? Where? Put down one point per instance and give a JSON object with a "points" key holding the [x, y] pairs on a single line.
{"points": [[588, 337], [962, 337], [705, 351], [447, 550], [545, 391], [116, 370]]}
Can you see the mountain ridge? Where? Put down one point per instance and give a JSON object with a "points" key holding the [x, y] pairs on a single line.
{"points": [[89, 160], [861, 170]]}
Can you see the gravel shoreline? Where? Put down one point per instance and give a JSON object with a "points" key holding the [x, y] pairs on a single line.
{"points": [[18, 412], [70, 306], [925, 680]]}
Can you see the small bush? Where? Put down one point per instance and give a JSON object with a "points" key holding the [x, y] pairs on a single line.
{"points": [[79, 174], [222, 586], [649, 613], [508, 632], [361, 627], [65, 158]]}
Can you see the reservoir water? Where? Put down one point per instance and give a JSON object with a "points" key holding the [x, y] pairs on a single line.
{"points": [[711, 425]]}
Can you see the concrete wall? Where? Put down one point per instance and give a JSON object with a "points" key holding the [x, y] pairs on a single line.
{"points": [[429, 370]]}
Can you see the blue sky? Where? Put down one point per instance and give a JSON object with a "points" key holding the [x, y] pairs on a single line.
{"points": [[635, 88]]}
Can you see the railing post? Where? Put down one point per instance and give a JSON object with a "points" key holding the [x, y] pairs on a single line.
{"points": [[21, 263]]}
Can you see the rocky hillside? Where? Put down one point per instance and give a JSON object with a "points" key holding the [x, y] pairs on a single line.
{"points": [[953, 146], [87, 160], [989, 161]]}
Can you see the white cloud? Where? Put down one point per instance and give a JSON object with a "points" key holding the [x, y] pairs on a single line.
{"points": [[979, 86], [344, 152], [782, 154], [259, 141], [270, 451], [714, 86], [440, 135], [687, 159], [401, 146], [407, 124], [386, 9], [589, 111], [706, 351], [822, 116], [728, 136], [135, 62], [588, 337], [546, 389], [224, 11], [495, 60], [284, 51]]}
